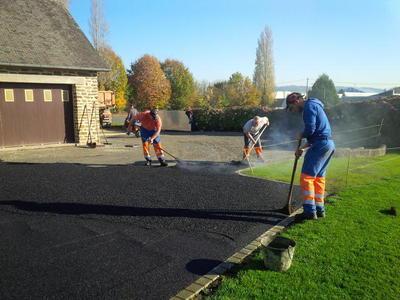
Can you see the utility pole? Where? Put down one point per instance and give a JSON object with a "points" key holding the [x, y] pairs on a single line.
{"points": [[307, 89]]}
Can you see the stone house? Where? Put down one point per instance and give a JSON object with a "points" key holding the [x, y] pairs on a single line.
{"points": [[48, 76]]}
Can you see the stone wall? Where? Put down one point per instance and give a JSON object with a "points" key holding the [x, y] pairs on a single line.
{"points": [[360, 152], [84, 95]]}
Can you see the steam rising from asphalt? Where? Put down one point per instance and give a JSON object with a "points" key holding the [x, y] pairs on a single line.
{"points": [[215, 167], [281, 135], [279, 141], [207, 166]]}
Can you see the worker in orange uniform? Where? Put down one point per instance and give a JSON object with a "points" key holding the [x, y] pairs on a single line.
{"points": [[251, 129], [321, 147], [150, 128]]}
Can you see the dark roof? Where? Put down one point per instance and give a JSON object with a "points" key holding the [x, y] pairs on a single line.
{"points": [[42, 33]]}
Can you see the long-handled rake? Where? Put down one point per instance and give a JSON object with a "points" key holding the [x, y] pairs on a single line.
{"points": [[105, 142], [173, 156], [289, 207], [89, 140]]}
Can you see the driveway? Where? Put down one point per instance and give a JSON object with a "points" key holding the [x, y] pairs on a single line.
{"points": [[90, 225]]}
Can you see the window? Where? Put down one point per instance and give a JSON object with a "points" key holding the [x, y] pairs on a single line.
{"points": [[28, 95], [9, 95], [64, 95], [48, 97]]}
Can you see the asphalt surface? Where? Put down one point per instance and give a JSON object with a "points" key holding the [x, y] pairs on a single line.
{"points": [[96, 231]]}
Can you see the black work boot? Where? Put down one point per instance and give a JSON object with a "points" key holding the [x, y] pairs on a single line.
{"points": [[163, 163], [148, 162], [321, 214], [305, 216]]}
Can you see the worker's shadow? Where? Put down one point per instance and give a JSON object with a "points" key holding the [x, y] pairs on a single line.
{"points": [[63, 208]]}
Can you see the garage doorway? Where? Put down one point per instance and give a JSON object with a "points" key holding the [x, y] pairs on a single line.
{"points": [[32, 114]]}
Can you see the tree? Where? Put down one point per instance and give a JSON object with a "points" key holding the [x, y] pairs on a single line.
{"points": [[116, 80], [201, 98], [182, 84], [97, 24], [241, 92], [150, 86], [264, 74], [217, 94], [324, 89]]}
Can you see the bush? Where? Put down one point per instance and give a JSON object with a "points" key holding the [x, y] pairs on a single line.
{"points": [[344, 117], [229, 119]]}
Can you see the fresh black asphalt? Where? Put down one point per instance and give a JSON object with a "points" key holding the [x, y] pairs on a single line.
{"points": [[71, 231]]}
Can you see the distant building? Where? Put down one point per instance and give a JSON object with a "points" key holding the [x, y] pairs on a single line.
{"points": [[388, 93], [355, 96], [280, 99]]}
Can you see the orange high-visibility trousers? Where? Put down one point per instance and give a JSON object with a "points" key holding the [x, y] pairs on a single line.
{"points": [[312, 180], [257, 148], [313, 191], [157, 149]]}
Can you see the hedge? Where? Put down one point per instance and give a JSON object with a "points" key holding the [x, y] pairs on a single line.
{"points": [[346, 120]]}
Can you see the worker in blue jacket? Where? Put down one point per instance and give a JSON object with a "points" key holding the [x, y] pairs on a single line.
{"points": [[320, 148]]}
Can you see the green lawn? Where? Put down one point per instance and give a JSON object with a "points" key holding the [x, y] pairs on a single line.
{"points": [[362, 170], [354, 253]]}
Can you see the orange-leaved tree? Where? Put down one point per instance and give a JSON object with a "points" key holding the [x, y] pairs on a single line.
{"points": [[149, 85], [116, 80]]}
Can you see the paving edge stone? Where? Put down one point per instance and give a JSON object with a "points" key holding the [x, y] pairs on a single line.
{"points": [[193, 290]]}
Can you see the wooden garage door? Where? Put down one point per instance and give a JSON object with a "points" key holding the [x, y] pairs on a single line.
{"points": [[33, 114]]}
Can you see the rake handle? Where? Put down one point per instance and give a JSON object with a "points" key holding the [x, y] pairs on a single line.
{"points": [[168, 153], [289, 199], [257, 139]]}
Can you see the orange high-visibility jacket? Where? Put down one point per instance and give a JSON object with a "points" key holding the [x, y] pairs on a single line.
{"points": [[148, 122]]}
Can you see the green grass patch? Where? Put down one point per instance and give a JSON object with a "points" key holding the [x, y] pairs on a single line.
{"points": [[354, 253], [361, 170]]}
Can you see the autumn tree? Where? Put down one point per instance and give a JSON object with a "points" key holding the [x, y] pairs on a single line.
{"points": [[201, 98], [324, 89], [182, 84], [97, 24], [217, 94], [240, 91], [115, 80], [150, 87], [264, 74]]}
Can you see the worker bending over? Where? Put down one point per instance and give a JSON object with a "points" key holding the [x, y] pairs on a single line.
{"points": [[250, 131], [150, 128], [321, 147]]}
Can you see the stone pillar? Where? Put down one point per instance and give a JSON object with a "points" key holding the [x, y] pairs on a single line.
{"points": [[86, 111]]}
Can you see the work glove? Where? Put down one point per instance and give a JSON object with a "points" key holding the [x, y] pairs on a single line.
{"points": [[299, 153]]}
